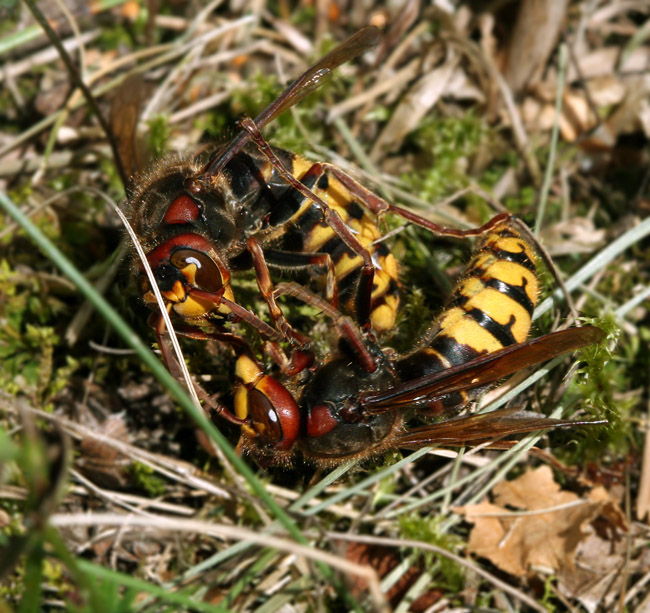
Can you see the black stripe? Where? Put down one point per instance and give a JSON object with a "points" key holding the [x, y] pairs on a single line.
{"points": [[245, 175], [506, 232], [324, 182], [458, 301], [452, 350], [419, 365], [286, 201], [336, 248], [515, 292], [454, 402], [501, 333], [516, 257], [393, 287], [355, 211], [381, 249], [308, 220]]}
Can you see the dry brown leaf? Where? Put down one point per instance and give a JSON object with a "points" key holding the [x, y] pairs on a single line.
{"points": [[534, 34], [575, 120], [599, 564], [603, 61], [518, 543], [414, 106], [103, 462], [575, 235], [383, 560]]}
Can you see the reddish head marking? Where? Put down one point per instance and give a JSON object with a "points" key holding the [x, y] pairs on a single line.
{"points": [[163, 252], [182, 210], [320, 421]]}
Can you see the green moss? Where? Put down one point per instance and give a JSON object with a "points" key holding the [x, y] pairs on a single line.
{"points": [[447, 574], [523, 201], [602, 374], [158, 135], [145, 478], [445, 145]]}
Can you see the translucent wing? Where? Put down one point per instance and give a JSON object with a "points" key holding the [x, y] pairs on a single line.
{"points": [[482, 427], [306, 83], [481, 371]]}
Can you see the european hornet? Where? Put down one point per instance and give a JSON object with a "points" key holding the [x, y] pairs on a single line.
{"points": [[343, 411], [251, 205]]}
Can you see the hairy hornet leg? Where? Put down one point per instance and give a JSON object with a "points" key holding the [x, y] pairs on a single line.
{"points": [[264, 409], [331, 217], [379, 207], [346, 328], [298, 261], [265, 286], [289, 366], [169, 358]]}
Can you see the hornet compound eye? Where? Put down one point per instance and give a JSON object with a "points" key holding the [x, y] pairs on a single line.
{"points": [[198, 268]]}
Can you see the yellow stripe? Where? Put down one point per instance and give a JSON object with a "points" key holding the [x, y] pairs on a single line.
{"points": [[515, 274], [502, 309], [466, 331]]}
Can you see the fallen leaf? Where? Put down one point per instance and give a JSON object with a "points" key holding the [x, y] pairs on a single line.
{"points": [[575, 235], [533, 38], [518, 543], [598, 576], [383, 560], [102, 461]]}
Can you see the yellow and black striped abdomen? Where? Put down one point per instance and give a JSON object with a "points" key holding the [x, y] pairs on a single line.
{"points": [[490, 308], [493, 303], [316, 236]]}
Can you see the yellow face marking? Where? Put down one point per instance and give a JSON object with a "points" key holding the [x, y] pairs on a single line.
{"points": [[189, 272], [176, 293], [193, 308], [247, 370], [229, 295], [241, 402]]}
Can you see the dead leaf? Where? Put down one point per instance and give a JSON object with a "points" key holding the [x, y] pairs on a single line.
{"points": [[534, 35], [417, 102], [517, 543], [598, 576], [383, 560], [575, 235], [102, 461]]}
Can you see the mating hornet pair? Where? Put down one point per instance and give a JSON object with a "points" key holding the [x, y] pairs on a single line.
{"points": [[253, 206]]}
